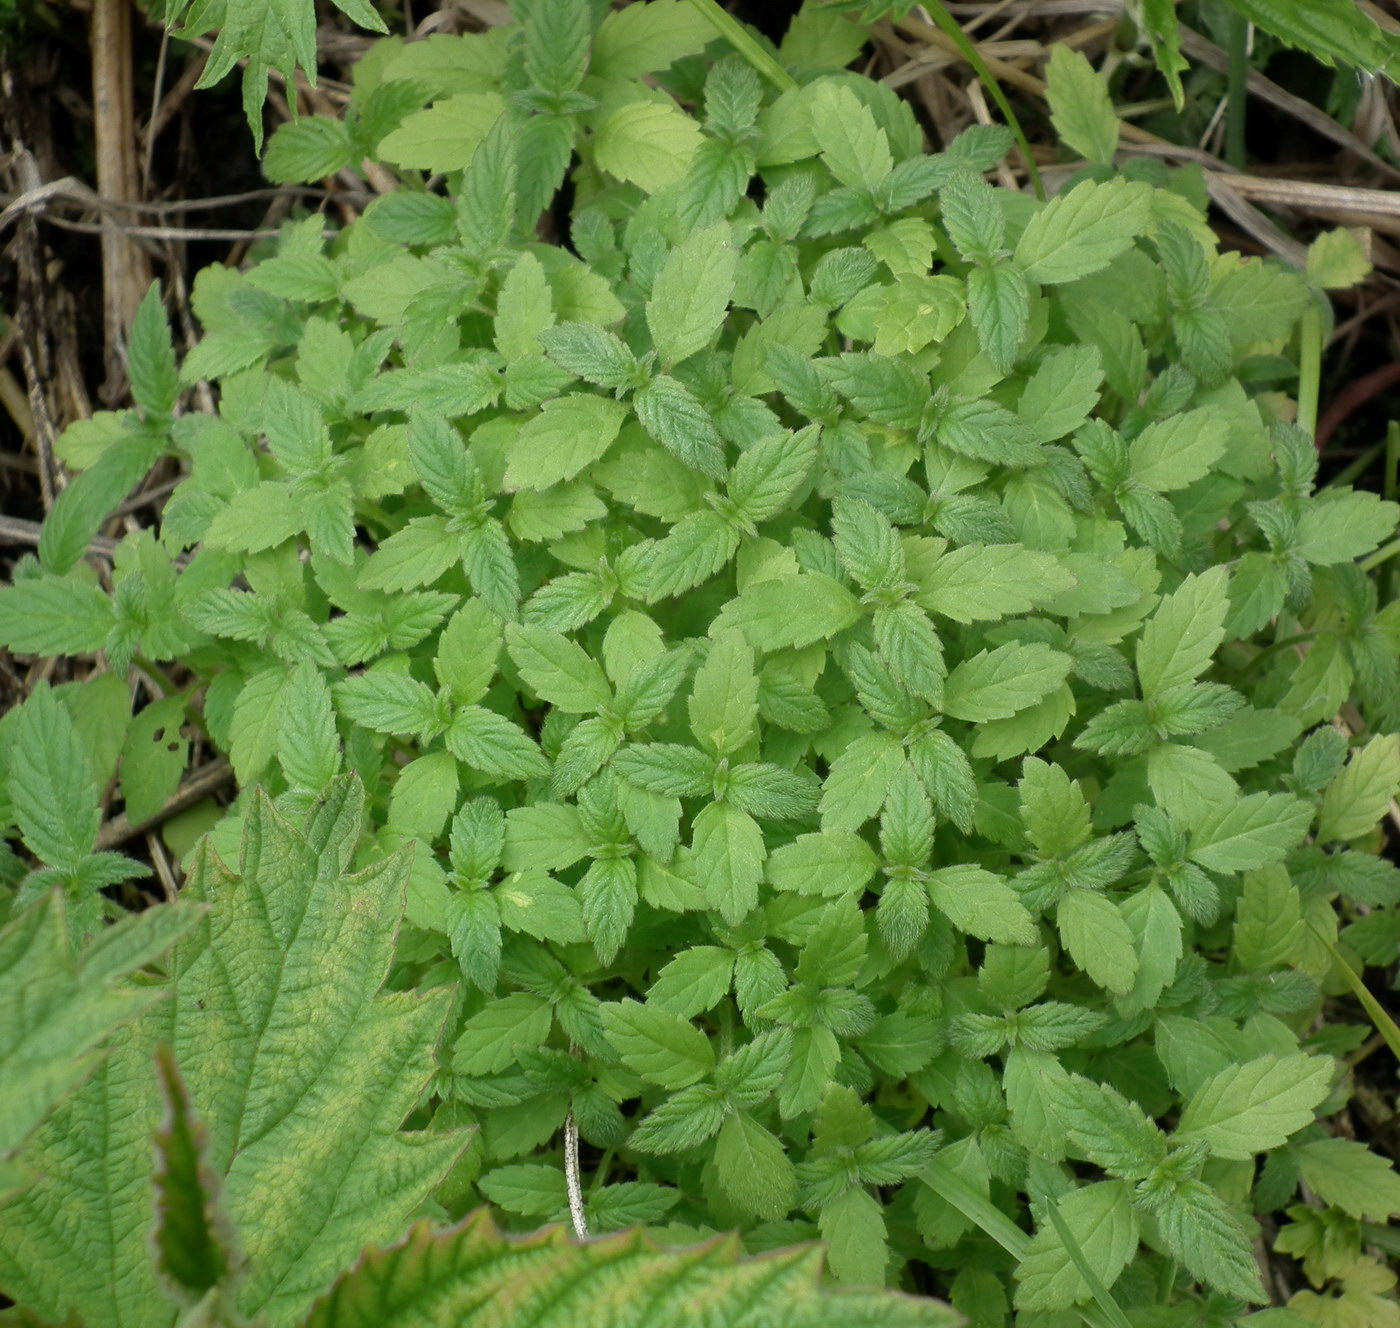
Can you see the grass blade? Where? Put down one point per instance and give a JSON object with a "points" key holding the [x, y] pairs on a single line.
{"points": [[1113, 1313], [985, 1215], [973, 56], [740, 39], [947, 1184], [1385, 1025]]}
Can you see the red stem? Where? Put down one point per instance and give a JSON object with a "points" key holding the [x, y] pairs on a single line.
{"points": [[1355, 395]]}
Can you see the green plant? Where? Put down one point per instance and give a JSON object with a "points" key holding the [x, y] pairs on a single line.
{"points": [[276, 1157], [1336, 32], [855, 657]]}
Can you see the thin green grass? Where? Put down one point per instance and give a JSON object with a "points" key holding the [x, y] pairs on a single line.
{"points": [[1384, 1024], [988, 1218], [742, 41], [973, 56]]}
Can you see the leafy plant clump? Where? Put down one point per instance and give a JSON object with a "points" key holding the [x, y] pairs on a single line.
{"points": [[861, 706]]}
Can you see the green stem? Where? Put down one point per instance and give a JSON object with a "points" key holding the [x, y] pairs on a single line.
{"points": [[169, 687], [726, 1029], [1391, 488], [945, 1182], [1309, 368], [973, 56], [157, 674], [976, 1207], [1355, 469], [600, 1172], [1277, 647], [742, 41], [1237, 87], [1385, 552]]}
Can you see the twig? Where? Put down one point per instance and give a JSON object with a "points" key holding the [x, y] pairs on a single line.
{"points": [[156, 492], [30, 315], [69, 190], [16, 530], [230, 200], [25, 465], [572, 1181], [930, 62], [1226, 195], [1318, 197], [179, 233], [148, 155], [987, 14], [174, 99], [1354, 395], [1382, 305], [161, 863], [126, 270], [199, 786], [1210, 55]]}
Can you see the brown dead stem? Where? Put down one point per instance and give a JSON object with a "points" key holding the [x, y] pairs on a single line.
{"points": [[126, 269]]}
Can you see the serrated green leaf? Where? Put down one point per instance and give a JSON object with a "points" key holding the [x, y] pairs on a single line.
{"points": [[60, 1007], [1083, 230], [51, 786], [729, 855], [691, 294], [995, 684], [1080, 108], [1254, 831], [981, 904], [1254, 1107], [1188, 625], [1101, 1220], [569, 434], [1360, 794], [980, 583], [558, 670], [647, 143], [789, 611], [1098, 940], [753, 1168], [662, 1047]]}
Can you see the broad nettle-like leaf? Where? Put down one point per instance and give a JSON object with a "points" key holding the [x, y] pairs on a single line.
{"points": [[58, 1008], [475, 1276], [300, 1069]]}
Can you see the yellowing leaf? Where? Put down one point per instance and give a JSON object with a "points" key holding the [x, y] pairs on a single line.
{"points": [[1337, 259]]}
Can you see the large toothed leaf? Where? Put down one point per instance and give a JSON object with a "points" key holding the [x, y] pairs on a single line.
{"points": [[56, 1007], [475, 1277], [301, 1072]]}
